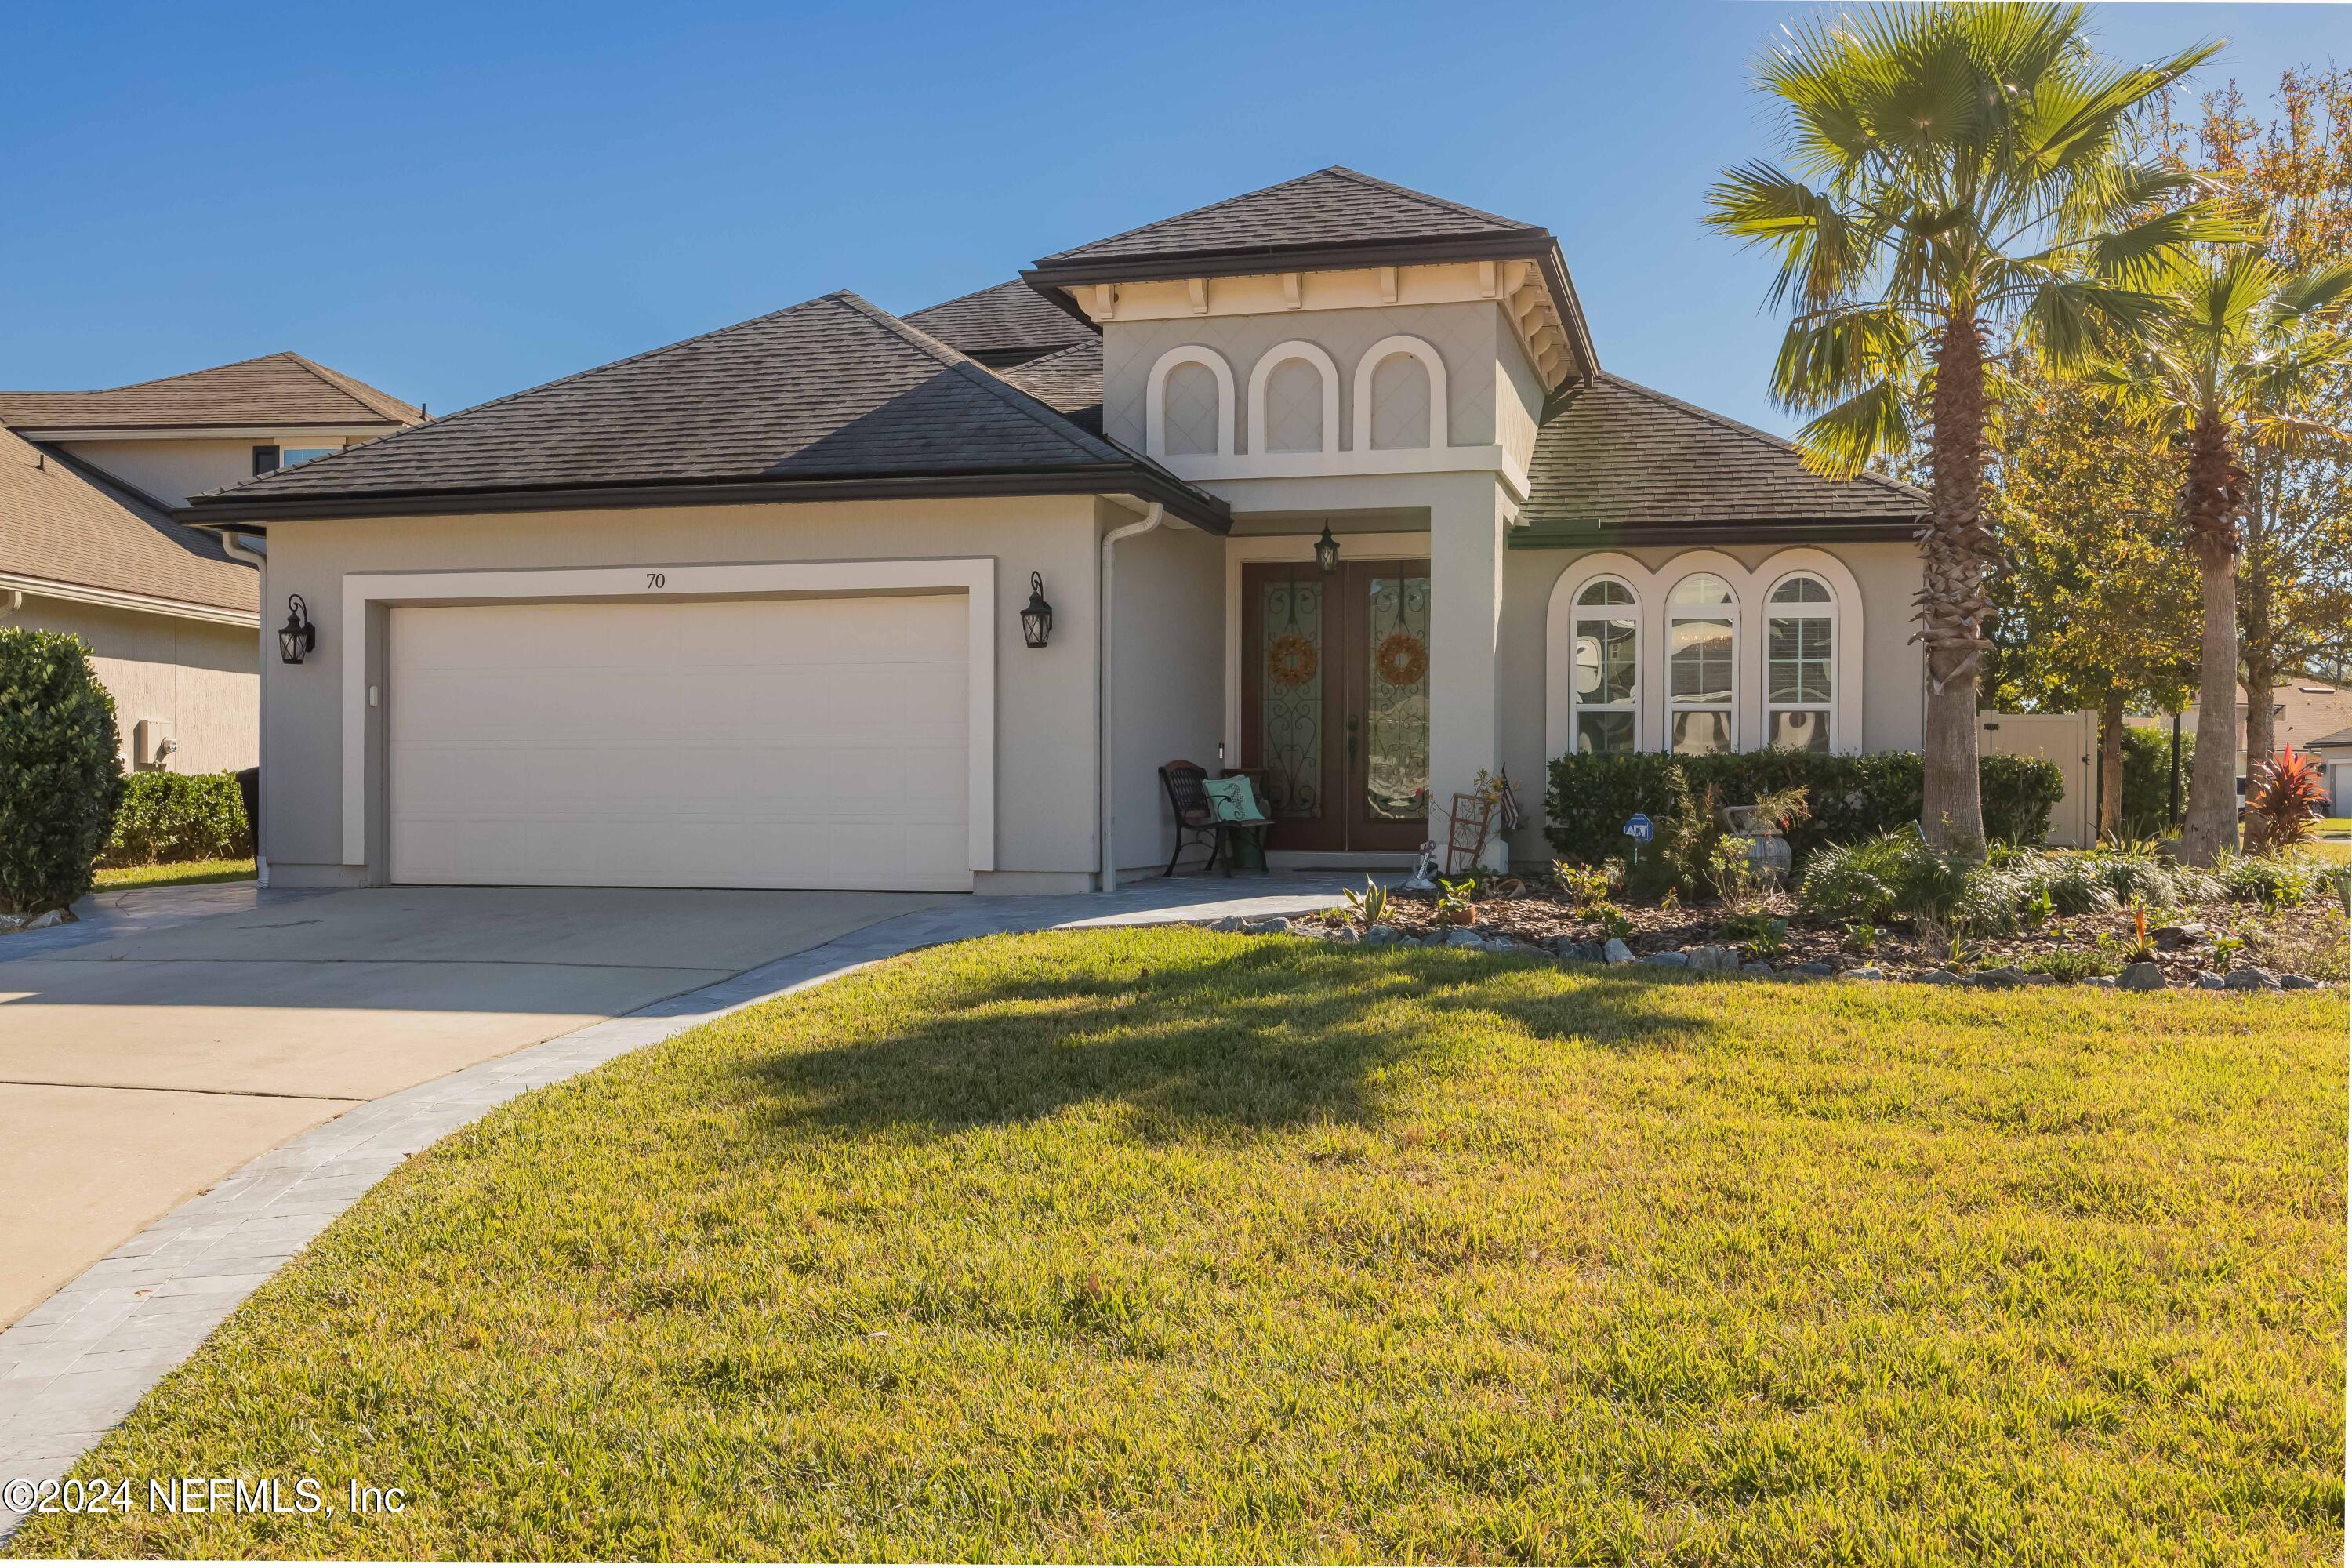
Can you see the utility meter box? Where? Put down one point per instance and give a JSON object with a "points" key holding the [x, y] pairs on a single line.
{"points": [[150, 743]]}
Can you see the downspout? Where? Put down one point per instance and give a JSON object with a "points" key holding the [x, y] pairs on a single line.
{"points": [[1105, 780], [258, 555]]}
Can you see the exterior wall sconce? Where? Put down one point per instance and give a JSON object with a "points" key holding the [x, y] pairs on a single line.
{"points": [[298, 636], [1037, 619], [1327, 551]]}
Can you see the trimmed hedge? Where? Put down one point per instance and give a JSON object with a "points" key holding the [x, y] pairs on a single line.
{"points": [[179, 816], [59, 773], [1850, 798], [2148, 778]]}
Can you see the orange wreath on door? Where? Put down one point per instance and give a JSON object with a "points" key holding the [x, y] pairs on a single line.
{"points": [[1290, 660], [1401, 659]]}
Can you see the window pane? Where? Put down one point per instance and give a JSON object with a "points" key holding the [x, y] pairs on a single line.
{"points": [[1800, 591], [1709, 730], [1604, 662], [294, 455], [1798, 666], [1701, 663], [1604, 734], [1805, 731], [1703, 592], [1606, 592]]}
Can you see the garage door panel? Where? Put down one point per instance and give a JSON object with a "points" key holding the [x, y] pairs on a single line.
{"points": [[796, 742]]}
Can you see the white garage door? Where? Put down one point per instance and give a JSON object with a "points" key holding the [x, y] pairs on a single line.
{"points": [[754, 743]]}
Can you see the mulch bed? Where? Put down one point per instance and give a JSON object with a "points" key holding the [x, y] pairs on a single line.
{"points": [[1535, 916]]}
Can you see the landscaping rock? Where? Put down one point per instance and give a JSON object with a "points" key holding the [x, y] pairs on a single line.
{"points": [[1756, 966], [1383, 935], [2209, 981], [44, 921], [1817, 969], [1866, 973], [1465, 938], [1938, 977], [1228, 922], [1616, 952], [2172, 938], [2002, 979], [2141, 976], [1668, 960], [2298, 982], [1342, 933], [1278, 926], [1712, 959], [2100, 982], [2250, 979], [2039, 977]]}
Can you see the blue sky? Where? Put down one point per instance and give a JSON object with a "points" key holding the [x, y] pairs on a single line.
{"points": [[454, 202]]}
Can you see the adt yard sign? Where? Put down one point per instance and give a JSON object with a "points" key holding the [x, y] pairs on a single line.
{"points": [[1639, 829]]}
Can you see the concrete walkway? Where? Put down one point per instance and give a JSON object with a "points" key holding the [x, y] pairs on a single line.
{"points": [[74, 1366]]}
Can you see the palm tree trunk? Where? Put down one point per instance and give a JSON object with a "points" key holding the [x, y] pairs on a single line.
{"points": [[2111, 765], [1955, 549], [2257, 634], [2210, 501]]}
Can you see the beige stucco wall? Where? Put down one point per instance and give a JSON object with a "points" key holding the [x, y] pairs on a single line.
{"points": [[1166, 676], [197, 676], [172, 470], [1892, 715], [1467, 336], [1046, 700]]}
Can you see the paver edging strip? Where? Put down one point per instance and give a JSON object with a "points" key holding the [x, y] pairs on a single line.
{"points": [[75, 1366]]}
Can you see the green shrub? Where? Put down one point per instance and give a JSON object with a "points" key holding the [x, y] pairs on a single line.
{"points": [[2074, 963], [59, 773], [179, 816], [1848, 798], [2148, 778], [2268, 879], [1893, 873]]}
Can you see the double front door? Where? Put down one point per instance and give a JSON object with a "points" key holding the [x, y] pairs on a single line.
{"points": [[1335, 701]]}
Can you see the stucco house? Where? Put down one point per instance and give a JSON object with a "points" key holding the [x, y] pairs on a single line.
{"points": [[89, 543], [746, 610]]}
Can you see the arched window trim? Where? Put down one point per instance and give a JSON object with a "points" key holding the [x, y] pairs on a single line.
{"points": [[1580, 612], [1155, 412], [1671, 614], [1262, 372], [1402, 343]]}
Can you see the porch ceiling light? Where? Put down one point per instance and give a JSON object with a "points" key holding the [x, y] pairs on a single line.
{"points": [[1327, 551], [1037, 619], [298, 636]]}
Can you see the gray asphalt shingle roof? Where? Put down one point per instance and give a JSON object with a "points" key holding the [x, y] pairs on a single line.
{"points": [[831, 388], [62, 522], [1622, 456], [1010, 320], [273, 389], [1069, 381], [1331, 207]]}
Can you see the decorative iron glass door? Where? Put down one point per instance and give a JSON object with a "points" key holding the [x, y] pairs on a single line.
{"points": [[1335, 701]]}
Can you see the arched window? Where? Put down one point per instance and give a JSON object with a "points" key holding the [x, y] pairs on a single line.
{"points": [[1294, 408], [1187, 410], [1800, 659], [1400, 403], [1604, 668], [1702, 637]]}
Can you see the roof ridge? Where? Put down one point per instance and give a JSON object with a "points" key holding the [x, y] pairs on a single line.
{"points": [[135, 385], [1375, 183], [956, 358], [1728, 423], [262, 480], [358, 391], [1188, 212]]}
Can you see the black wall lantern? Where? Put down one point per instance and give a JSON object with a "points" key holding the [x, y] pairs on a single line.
{"points": [[1327, 551], [298, 636], [1037, 620]]}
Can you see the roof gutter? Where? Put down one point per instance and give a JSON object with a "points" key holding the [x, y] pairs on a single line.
{"points": [[251, 508]]}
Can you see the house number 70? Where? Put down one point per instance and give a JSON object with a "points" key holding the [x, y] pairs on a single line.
{"points": [[657, 580]]}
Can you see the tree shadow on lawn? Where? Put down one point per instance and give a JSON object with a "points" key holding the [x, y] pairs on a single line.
{"points": [[1275, 1033]]}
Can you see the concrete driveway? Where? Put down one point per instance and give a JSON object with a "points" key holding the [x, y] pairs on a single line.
{"points": [[136, 1070]]}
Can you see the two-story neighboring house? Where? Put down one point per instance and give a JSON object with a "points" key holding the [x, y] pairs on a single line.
{"points": [[1327, 482], [89, 483]]}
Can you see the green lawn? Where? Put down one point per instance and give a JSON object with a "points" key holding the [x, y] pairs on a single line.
{"points": [[1175, 1245], [176, 874]]}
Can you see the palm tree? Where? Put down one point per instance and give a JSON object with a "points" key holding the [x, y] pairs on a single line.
{"points": [[2234, 362], [1961, 171]]}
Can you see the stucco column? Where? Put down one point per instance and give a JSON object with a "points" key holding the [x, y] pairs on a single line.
{"points": [[1466, 588]]}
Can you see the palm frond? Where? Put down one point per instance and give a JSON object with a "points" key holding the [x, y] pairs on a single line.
{"points": [[2312, 294], [1829, 354], [1841, 442]]}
